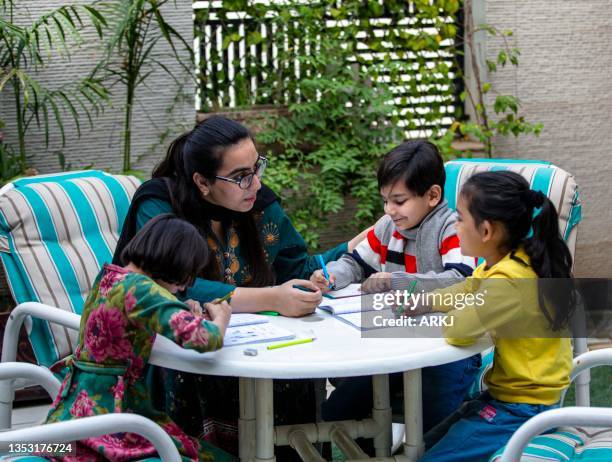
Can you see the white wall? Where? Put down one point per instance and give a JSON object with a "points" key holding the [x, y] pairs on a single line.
{"points": [[565, 81], [102, 145]]}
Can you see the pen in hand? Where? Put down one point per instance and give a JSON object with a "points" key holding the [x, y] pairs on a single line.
{"points": [[307, 289], [325, 273], [217, 301], [225, 298]]}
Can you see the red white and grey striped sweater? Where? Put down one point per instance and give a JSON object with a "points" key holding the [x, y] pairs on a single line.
{"points": [[429, 253]]}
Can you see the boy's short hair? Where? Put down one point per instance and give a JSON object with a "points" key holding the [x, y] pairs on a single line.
{"points": [[417, 163], [169, 249]]}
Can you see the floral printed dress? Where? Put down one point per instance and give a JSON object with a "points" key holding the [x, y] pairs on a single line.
{"points": [[120, 320]]}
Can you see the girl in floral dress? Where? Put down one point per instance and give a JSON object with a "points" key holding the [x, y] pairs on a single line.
{"points": [[126, 308]]}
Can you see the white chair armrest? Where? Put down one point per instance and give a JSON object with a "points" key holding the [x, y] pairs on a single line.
{"points": [[591, 359], [37, 374], [10, 342], [87, 427], [583, 363], [37, 310], [578, 416]]}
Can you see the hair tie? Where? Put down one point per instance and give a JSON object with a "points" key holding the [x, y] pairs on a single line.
{"points": [[535, 198]]}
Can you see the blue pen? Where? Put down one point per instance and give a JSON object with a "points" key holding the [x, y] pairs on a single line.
{"points": [[325, 273]]}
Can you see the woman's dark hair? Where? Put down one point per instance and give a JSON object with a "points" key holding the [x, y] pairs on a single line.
{"points": [[201, 151], [505, 197], [417, 163], [169, 249]]}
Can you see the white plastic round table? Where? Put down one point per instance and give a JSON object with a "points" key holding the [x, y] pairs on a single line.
{"points": [[338, 351]]}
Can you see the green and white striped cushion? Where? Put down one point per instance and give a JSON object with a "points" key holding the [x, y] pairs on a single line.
{"points": [[478, 386], [557, 184], [56, 231], [598, 445], [568, 445], [554, 447]]}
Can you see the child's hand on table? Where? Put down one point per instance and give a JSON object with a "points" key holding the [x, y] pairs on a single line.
{"points": [[219, 314], [378, 282], [410, 309], [196, 308], [319, 279]]}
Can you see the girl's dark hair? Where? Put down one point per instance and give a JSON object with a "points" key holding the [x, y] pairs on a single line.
{"points": [[505, 197], [417, 163], [201, 151], [169, 249]]}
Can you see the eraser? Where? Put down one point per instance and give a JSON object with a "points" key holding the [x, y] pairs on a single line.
{"points": [[250, 352]]}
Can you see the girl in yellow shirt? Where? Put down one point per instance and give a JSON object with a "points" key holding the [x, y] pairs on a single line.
{"points": [[523, 299]]}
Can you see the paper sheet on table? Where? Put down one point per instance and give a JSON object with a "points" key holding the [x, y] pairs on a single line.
{"points": [[358, 319], [246, 319], [255, 333]]}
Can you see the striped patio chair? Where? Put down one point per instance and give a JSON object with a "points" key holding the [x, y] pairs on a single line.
{"points": [[56, 231]]}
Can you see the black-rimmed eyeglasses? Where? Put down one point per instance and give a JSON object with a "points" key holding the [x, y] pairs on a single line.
{"points": [[244, 181]]}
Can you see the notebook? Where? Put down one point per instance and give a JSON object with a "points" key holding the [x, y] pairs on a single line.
{"points": [[342, 305], [358, 319], [255, 333], [246, 319], [345, 303], [350, 305], [352, 290]]}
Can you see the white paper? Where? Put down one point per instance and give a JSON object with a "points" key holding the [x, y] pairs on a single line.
{"points": [[356, 319], [255, 333], [246, 319]]}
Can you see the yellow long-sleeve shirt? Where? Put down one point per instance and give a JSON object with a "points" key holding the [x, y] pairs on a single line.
{"points": [[532, 363]]}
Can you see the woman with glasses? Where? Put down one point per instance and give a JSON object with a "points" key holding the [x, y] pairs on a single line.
{"points": [[211, 177]]}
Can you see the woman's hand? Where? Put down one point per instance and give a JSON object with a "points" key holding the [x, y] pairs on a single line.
{"points": [[378, 282], [294, 302], [319, 280], [219, 314]]}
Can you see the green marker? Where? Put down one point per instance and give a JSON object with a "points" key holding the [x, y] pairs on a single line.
{"points": [[225, 298], [400, 310], [269, 313], [290, 343]]}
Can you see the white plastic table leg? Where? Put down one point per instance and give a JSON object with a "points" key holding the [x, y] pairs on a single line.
{"points": [[413, 414], [264, 412], [381, 413], [246, 422]]}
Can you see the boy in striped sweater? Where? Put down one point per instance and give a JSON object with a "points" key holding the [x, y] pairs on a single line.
{"points": [[415, 240]]}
